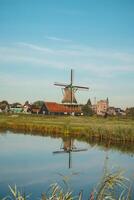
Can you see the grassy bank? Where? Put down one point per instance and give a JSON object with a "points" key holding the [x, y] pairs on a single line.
{"points": [[101, 129]]}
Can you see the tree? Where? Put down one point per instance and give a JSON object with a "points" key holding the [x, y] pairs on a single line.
{"points": [[38, 103], [26, 103], [4, 106], [87, 108], [89, 102], [130, 112]]}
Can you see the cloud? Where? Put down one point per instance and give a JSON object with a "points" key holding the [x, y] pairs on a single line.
{"points": [[57, 39], [82, 51], [18, 56], [22, 81], [101, 69], [98, 61], [19, 87], [35, 47]]}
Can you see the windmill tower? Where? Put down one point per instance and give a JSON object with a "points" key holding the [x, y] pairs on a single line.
{"points": [[69, 90]]}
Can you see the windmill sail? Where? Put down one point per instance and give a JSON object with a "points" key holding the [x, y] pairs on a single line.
{"points": [[69, 90]]}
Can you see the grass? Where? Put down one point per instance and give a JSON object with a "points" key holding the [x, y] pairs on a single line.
{"points": [[113, 129]]}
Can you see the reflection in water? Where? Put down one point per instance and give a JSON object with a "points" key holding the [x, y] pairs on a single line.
{"points": [[28, 162], [68, 146], [106, 158], [123, 147]]}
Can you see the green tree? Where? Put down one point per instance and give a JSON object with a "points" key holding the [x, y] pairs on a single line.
{"points": [[89, 102], [38, 103], [4, 105], [130, 112], [26, 103], [87, 108]]}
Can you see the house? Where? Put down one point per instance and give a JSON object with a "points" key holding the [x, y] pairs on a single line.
{"points": [[94, 108], [111, 111], [27, 107], [102, 107], [16, 108], [38, 107], [53, 108], [119, 111], [62, 109]]}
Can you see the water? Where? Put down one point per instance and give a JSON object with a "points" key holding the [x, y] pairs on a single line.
{"points": [[29, 162]]}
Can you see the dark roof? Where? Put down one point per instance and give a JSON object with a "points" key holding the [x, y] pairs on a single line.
{"points": [[16, 105]]}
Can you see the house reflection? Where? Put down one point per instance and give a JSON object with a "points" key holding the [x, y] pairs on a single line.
{"points": [[68, 146]]}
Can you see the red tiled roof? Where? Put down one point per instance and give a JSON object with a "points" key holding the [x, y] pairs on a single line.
{"points": [[61, 108]]}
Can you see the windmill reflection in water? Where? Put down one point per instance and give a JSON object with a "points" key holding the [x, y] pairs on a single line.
{"points": [[68, 146]]}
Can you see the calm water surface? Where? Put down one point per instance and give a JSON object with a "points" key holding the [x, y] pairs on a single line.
{"points": [[28, 161]]}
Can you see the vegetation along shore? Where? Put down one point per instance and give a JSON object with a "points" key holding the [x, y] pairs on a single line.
{"points": [[113, 129]]}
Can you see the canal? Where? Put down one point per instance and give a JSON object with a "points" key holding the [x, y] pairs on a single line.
{"points": [[34, 162]]}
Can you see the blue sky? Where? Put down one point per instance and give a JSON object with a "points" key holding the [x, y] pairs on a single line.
{"points": [[40, 41]]}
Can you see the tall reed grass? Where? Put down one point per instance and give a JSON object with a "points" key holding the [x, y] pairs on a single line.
{"points": [[89, 127], [113, 186]]}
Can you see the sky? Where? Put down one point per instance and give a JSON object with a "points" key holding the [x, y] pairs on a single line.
{"points": [[42, 40]]}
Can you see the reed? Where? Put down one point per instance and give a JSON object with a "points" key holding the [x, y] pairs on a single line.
{"points": [[114, 129], [106, 190]]}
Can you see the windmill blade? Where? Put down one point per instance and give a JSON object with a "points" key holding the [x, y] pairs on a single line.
{"points": [[61, 84], [78, 150], [72, 76], [57, 152], [81, 87], [70, 150]]}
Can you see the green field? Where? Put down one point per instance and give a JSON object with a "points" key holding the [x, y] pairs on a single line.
{"points": [[113, 129]]}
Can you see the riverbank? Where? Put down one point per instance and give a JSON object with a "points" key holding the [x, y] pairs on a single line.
{"points": [[101, 129]]}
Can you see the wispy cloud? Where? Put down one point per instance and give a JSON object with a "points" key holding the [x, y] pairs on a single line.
{"points": [[20, 80], [103, 67], [99, 61], [33, 61], [35, 47], [57, 39], [22, 87], [82, 51]]}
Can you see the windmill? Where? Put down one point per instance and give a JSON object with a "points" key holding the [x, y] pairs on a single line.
{"points": [[68, 147], [69, 91]]}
